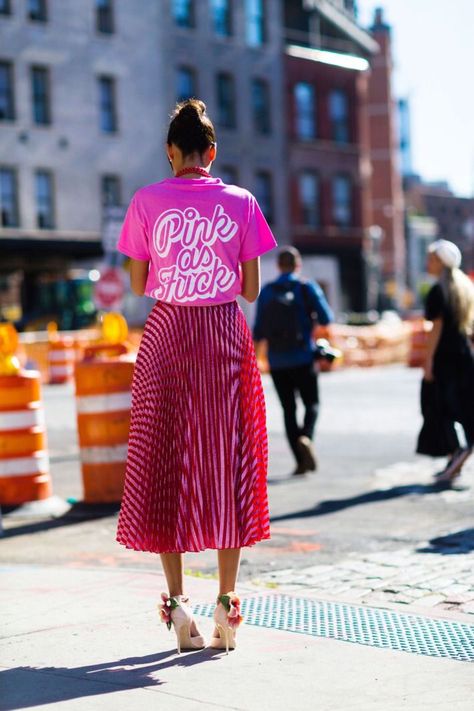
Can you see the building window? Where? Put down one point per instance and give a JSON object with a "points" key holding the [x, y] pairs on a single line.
{"points": [[221, 11], [264, 194], [342, 200], [185, 83], [107, 104], [305, 111], [5, 7], [38, 10], [8, 198], [228, 175], [339, 116], [261, 106], [308, 191], [111, 190], [226, 106], [104, 17], [255, 22], [183, 13], [7, 101], [44, 200], [40, 95]]}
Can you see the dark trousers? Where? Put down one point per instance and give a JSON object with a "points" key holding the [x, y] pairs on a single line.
{"points": [[289, 382]]}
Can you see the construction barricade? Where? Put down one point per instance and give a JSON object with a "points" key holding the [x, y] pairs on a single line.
{"points": [[419, 339], [24, 462], [61, 360], [103, 400]]}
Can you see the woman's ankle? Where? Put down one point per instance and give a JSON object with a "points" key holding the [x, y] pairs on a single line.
{"points": [[178, 595]]}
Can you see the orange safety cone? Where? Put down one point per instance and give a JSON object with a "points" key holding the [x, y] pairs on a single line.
{"points": [[61, 356], [103, 399], [24, 463]]}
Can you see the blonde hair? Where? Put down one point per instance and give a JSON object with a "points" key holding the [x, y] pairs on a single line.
{"points": [[460, 292]]}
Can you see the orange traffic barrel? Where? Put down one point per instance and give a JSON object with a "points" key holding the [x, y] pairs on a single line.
{"points": [[103, 400], [418, 343], [61, 359], [101, 350], [24, 463]]}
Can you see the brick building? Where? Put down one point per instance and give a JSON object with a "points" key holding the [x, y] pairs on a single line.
{"points": [[387, 205], [327, 59], [452, 215]]}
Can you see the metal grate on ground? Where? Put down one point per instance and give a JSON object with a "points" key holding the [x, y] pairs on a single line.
{"points": [[370, 626]]}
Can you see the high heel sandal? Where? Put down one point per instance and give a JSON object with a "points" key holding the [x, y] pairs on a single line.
{"points": [[175, 613], [227, 618]]}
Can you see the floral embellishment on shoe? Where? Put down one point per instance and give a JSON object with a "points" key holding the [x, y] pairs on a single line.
{"points": [[231, 603], [166, 607]]}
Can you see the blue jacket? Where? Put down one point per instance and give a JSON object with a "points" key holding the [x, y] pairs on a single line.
{"points": [[304, 354]]}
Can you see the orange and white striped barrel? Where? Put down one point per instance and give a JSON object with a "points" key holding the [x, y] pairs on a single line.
{"points": [[419, 339], [103, 400], [24, 463], [61, 360]]}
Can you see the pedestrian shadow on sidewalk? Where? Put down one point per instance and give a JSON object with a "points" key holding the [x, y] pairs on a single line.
{"points": [[333, 505], [26, 687], [78, 513], [453, 544]]}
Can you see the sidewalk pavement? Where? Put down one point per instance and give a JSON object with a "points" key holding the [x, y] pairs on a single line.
{"points": [[418, 580], [82, 638]]}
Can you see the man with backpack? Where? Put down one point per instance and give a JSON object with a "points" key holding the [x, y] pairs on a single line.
{"points": [[287, 310]]}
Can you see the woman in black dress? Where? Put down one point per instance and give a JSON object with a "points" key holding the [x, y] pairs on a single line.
{"points": [[449, 363]]}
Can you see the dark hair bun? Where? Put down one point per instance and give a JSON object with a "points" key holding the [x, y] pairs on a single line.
{"points": [[191, 128], [191, 108]]}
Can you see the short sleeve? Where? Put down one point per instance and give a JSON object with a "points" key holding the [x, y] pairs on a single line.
{"points": [[435, 303], [258, 237], [133, 240]]}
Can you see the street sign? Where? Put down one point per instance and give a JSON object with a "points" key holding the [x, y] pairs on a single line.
{"points": [[113, 217], [110, 289]]}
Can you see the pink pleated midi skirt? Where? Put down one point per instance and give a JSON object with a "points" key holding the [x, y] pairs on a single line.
{"points": [[196, 474]]}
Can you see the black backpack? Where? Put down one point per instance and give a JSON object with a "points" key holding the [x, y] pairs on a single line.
{"points": [[282, 325]]}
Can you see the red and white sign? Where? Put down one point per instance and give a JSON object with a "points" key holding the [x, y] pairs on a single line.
{"points": [[110, 289]]}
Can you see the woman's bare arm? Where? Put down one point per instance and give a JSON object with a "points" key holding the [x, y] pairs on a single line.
{"points": [[138, 276], [251, 279], [431, 344]]}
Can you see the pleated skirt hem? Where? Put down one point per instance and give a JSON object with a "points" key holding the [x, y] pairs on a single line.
{"points": [[191, 549], [196, 475]]}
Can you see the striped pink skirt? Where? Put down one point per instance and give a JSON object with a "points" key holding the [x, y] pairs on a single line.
{"points": [[197, 454]]}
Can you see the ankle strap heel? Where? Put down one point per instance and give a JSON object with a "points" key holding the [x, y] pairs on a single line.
{"points": [[174, 612], [227, 619]]}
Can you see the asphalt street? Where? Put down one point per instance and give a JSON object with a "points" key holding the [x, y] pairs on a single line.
{"points": [[371, 494]]}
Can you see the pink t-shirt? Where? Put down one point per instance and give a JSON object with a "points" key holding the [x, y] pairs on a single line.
{"points": [[194, 232]]}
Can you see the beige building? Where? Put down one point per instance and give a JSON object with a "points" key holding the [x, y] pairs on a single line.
{"points": [[86, 88]]}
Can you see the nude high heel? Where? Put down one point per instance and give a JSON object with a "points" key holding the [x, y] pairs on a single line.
{"points": [[176, 613], [227, 619]]}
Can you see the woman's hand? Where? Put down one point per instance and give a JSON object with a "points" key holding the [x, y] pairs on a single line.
{"points": [[428, 370], [431, 345]]}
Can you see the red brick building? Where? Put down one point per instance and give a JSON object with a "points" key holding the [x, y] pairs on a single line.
{"points": [[387, 192], [329, 172], [454, 215]]}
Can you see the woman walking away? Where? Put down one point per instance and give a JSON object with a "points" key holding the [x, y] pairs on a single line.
{"points": [[197, 455], [449, 366]]}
